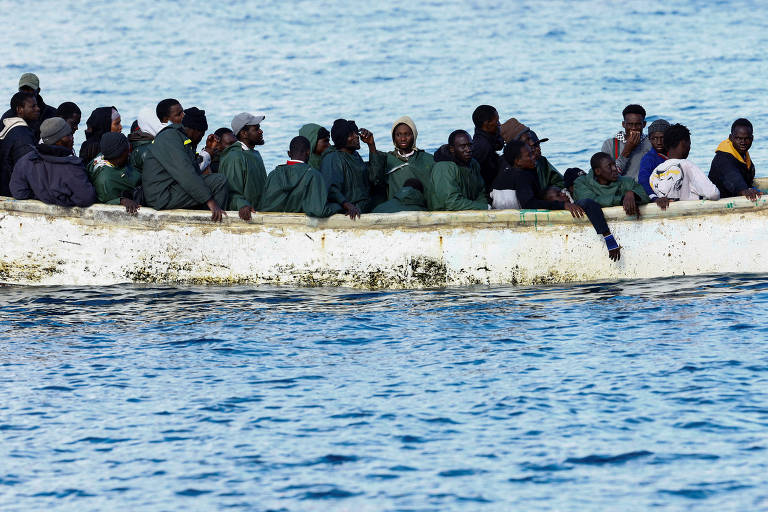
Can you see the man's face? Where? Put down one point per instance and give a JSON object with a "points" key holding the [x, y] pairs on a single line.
{"points": [[657, 141], [116, 127], [525, 160], [403, 137], [492, 125], [556, 194], [255, 135], [29, 111], [633, 123], [176, 114], [26, 88], [533, 143], [322, 145], [741, 136], [73, 122], [353, 141], [462, 148], [607, 170], [227, 139]]}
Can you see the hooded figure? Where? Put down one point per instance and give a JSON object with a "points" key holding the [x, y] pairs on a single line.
{"points": [[99, 123], [313, 133], [405, 162], [149, 126]]}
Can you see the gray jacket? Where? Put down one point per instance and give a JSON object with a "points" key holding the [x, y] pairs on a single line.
{"points": [[629, 167]]}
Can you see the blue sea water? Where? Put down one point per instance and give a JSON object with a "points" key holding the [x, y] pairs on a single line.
{"points": [[609, 396]]}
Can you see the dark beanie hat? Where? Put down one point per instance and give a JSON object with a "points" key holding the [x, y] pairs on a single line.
{"points": [[195, 118], [571, 175], [340, 131], [113, 144]]}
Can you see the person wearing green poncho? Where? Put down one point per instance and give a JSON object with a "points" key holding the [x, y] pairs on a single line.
{"points": [[171, 177], [410, 198], [456, 183], [114, 180], [345, 173], [243, 166], [406, 161], [296, 186], [604, 185], [319, 143]]}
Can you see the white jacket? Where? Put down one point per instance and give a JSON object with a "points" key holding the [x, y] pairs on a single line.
{"points": [[683, 180]]}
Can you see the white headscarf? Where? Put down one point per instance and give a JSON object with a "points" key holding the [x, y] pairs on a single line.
{"points": [[148, 121]]}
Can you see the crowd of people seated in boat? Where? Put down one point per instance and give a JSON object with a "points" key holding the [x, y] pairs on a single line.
{"points": [[158, 165]]}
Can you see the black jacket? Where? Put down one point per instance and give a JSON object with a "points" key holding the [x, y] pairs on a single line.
{"points": [[729, 175], [525, 182], [484, 150], [53, 175], [16, 144]]}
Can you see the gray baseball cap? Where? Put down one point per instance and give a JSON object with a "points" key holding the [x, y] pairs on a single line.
{"points": [[244, 119]]}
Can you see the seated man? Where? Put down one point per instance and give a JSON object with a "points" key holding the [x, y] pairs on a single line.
{"points": [[406, 161], [410, 198], [654, 156], [732, 170], [678, 178], [296, 186], [628, 147], [242, 165], [215, 144], [348, 177], [171, 177], [486, 142], [456, 182], [114, 180], [569, 178], [606, 187], [17, 135], [513, 129], [169, 111], [319, 141], [30, 83], [50, 172]]}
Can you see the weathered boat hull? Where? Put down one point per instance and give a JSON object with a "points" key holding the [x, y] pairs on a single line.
{"points": [[102, 245]]}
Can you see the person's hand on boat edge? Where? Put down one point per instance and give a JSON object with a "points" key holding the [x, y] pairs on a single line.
{"points": [[662, 202], [752, 194], [216, 213], [352, 210], [576, 210], [131, 206], [630, 204], [245, 212]]}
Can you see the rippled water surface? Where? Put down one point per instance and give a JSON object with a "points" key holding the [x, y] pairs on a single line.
{"points": [[622, 396]]}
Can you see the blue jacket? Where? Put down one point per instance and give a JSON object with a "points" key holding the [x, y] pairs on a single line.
{"points": [[53, 175], [650, 161]]}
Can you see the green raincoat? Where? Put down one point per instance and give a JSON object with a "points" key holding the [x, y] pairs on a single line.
{"points": [[612, 194], [453, 187], [398, 170], [297, 188], [245, 174], [548, 175], [408, 199], [310, 132], [349, 178], [112, 183]]}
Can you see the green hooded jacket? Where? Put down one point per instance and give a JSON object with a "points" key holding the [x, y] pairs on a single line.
{"points": [[171, 159], [138, 153], [349, 178], [397, 170], [297, 188], [587, 187], [112, 183], [456, 188], [548, 175], [408, 199], [310, 132], [245, 174]]}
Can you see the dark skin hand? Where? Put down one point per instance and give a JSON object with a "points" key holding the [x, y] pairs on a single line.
{"points": [[352, 210], [615, 254], [216, 213], [633, 127], [367, 137], [752, 194], [131, 206], [630, 204], [576, 210], [245, 212], [662, 202]]}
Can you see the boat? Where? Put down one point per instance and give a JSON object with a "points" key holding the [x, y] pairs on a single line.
{"points": [[103, 245]]}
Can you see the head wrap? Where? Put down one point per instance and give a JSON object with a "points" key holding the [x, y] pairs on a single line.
{"points": [[115, 114], [659, 125], [512, 129], [148, 121], [410, 124], [195, 118], [113, 145], [54, 129], [340, 132]]}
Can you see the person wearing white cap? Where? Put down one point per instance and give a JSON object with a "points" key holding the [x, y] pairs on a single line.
{"points": [[242, 165]]}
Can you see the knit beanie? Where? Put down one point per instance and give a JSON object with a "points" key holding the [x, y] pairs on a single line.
{"points": [[571, 175], [195, 118], [659, 125], [54, 129], [113, 144], [409, 123], [340, 131], [512, 129]]}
